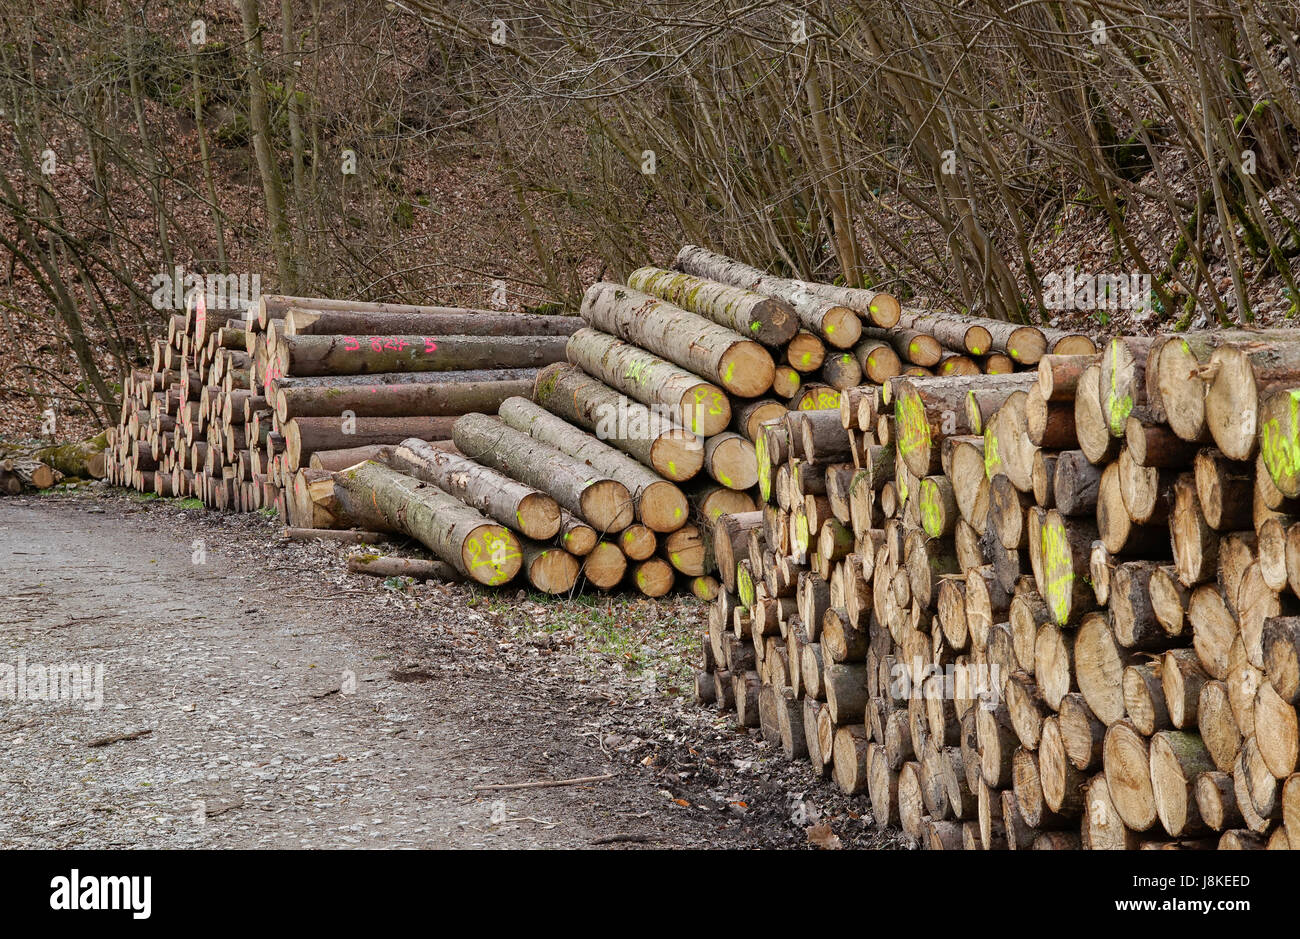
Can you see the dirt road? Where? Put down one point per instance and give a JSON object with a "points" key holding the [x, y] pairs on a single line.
{"points": [[290, 704]]}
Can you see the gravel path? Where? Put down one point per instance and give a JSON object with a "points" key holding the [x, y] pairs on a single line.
{"points": [[290, 704]]}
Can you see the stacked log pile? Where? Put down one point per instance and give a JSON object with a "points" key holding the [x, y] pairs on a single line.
{"points": [[1050, 610], [637, 443], [247, 413]]}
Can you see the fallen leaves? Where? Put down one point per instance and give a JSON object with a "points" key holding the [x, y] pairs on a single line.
{"points": [[821, 836]]}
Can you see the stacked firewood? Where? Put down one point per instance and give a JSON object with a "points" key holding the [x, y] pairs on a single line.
{"points": [[390, 418], [235, 409], [1041, 610]]}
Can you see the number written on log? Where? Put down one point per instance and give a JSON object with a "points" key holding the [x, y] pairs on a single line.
{"points": [[493, 551], [390, 343], [824, 400]]}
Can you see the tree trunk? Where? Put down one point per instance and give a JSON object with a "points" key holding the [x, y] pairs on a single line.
{"points": [[259, 119], [359, 355], [603, 502], [646, 435], [660, 504], [480, 549], [700, 406], [740, 365], [534, 514]]}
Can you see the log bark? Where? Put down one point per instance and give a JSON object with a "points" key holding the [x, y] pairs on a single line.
{"points": [[652, 439], [659, 504], [603, 502], [770, 321], [378, 566], [701, 407], [741, 366], [837, 324], [360, 355], [401, 400], [311, 320], [305, 435], [477, 547], [534, 514]]}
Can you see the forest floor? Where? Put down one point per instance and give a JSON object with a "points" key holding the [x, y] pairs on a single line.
{"points": [[288, 703]]}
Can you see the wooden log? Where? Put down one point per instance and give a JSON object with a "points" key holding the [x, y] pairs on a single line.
{"points": [[1049, 423], [1065, 550], [454, 377], [1277, 732], [604, 565], [1153, 444], [659, 503], [1195, 544], [399, 400], [1127, 763], [379, 566], [1279, 439], [303, 436], [1059, 375], [769, 321], [741, 366], [360, 355], [878, 360], [1182, 679], [603, 502], [84, 459], [1082, 734], [1099, 667], [1237, 374], [534, 514], [1216, 800], [475, 546], [1091, 425], [342, 536], [311, 319], [655, 441], [1103, 827], [837, 324], [846, 692], [335, 460], [700, 406], [1122, 380], [1217, 727], [805, 352], [1280, 643], [689, 551], [654, 577]]}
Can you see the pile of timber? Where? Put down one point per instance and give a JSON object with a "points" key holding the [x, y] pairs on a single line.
{"points": [[629, 431], [234, 410], [1050, 610]]}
